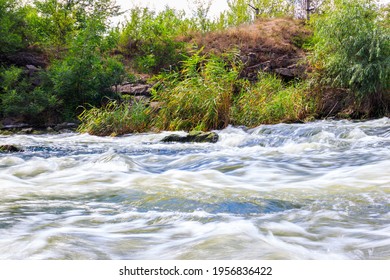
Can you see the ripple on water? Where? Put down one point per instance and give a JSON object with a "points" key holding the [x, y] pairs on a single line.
{"points": [[302, 191]]}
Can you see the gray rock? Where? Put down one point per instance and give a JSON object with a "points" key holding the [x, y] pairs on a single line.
{"points": [[193, 137], [28, 130], [133, 89]]}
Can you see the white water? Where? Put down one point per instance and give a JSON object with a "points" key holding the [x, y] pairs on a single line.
{"points": [[301, 191]]}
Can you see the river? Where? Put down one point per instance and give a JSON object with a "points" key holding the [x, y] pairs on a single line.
{"points": [[319, 190]]}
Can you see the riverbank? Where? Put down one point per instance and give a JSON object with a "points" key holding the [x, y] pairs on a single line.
{"points": [[165, 72]]}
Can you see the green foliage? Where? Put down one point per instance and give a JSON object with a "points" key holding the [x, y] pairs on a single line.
{"points": [[76, 37], [200, 15], [85, 75], [115, 119], [199, 97], [352, 48], [10, 78], [11, 26], [238, 13], [277, 8], [55, 23], [151, 39], [270, 101], [19, 98]]}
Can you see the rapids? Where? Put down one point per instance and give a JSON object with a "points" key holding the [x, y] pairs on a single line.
{"points": [[319, 190]]}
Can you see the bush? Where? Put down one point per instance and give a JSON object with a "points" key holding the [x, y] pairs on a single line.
{"points": [[87, 73], [240, 12], [352, 50], [19, 98], [150, 38]]}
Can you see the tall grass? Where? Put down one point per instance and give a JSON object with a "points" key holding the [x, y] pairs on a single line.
{"points": [[199, 97], [270, 101], [115, 119]]}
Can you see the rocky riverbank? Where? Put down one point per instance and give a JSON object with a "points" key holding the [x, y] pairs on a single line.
{"points": [[14, 127]]}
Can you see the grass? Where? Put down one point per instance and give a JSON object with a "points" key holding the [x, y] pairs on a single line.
{"points": [[199, 97], [206, 94], [277, 34], [115, 119], [271, 101]]}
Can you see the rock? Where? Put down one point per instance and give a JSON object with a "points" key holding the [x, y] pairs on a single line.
{"points": [[32, 69], [28, 130], [140, 99], [156, 106], [9, 149], [286, 66], [193, 136], [65, 126], [286, 72], [15, 126], [33, 73], [23, 58], [133, 89]]}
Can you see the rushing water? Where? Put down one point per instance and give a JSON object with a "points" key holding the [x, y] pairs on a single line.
{"points": [[289, 191]]}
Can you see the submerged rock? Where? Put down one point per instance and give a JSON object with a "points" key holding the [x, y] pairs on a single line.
{"points": [[9, 149], [193, 137]]}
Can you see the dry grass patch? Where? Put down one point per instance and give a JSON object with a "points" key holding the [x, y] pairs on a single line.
{"points": [[276, 35]]}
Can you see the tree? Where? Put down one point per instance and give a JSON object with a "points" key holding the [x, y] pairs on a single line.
{"points": [[200, 11], [59, 20], [87, 72], [151, 38], [76, 36], [238, 12], [275, 8], [11, 25]]}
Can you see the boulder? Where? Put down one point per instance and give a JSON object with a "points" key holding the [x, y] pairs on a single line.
{"points": [[286, 66], [193, 137], [133, 89], [288, 72], [9, 149]]}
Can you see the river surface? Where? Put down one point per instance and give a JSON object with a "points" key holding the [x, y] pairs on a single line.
{"points": [[290, 191]]}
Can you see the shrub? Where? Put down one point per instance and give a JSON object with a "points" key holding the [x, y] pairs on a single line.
{"points": [[150, 38], [87, 73], [240, 12], [19, 98], [352, 50]]}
